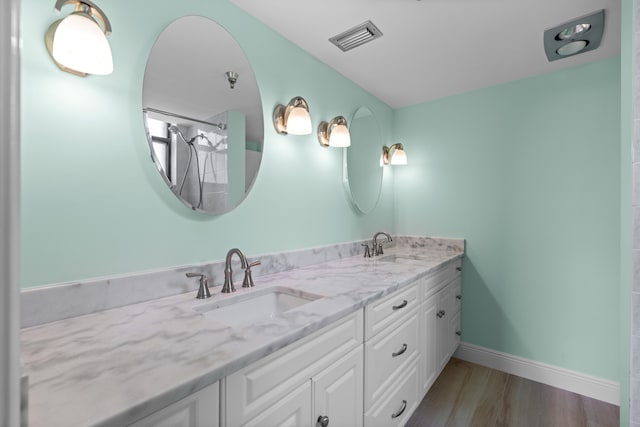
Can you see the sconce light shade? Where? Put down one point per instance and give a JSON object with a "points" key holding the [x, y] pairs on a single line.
{"points": [[334, 133], [77, 43], [394, 155], [293, 118]]}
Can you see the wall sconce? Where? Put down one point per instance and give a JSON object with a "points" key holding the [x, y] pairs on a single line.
{"points": [[293, 118], [393, 155], [335, 133], [78, 43]]}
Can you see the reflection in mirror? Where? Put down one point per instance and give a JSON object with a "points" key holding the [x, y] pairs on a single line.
{"points": [[362, 174], [203, 115]]}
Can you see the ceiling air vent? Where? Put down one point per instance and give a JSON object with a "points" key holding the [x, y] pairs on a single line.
{"points": [[356, 36]]}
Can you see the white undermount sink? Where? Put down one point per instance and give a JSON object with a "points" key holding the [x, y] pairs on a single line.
{"points": [[254, 306], [402, 259]]}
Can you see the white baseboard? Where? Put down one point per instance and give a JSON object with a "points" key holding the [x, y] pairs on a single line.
{"points": [[576, 382]]}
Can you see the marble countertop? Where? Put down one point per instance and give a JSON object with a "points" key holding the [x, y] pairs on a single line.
{"points": [[112, 367]]}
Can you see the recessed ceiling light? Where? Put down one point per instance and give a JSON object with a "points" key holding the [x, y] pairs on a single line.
{"points": [[572, 48], [577, 36], [573, 31]]}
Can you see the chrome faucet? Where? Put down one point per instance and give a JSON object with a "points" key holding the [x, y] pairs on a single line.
{"points": [[228, 286], [377, 247], [203, 290]]}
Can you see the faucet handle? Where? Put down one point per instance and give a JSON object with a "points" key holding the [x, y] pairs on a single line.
{"points": [[248, 278], [203, 290], [379, 250], [367, 251]]}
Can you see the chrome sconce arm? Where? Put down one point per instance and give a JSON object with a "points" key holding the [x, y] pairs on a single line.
{"points": [[393, 155], [334, 133]]}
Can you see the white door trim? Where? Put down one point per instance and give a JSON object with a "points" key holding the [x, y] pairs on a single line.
{"points": [[9, 213]]}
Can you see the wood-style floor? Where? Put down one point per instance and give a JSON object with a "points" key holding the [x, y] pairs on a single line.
{"points": [[469, 395]]}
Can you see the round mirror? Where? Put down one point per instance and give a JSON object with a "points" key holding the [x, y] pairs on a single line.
{"points": [[362, 173], [203, 115]]}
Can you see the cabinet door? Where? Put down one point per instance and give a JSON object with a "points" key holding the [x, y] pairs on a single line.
{"points": [[201, 409], [443, 340], [338, 392], [428, 339], [293, 410], [455, 332]]}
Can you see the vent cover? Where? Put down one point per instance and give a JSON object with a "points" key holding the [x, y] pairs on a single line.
{"points": [[356, 36]]}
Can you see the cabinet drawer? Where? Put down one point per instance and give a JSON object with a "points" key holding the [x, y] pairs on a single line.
{"points": [[388, 310], [457, 295], [387, 356], [258, 386], [395, 408], [436, 281]]}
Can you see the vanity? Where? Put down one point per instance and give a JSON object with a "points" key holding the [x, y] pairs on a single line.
{"points": [[363, 350], [326, 337]]}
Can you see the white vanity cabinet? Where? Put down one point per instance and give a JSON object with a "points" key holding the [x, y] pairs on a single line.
{"points": [[198, 409], [439, 321], [392, 355], [315, 381]]}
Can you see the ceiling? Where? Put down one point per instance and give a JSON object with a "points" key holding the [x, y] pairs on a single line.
{"points": [[435, 48]]}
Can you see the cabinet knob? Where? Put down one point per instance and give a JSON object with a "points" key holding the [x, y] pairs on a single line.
{"points": [[323, 421], [459, 297], [441, 314], [458, 333], [458, 268]]}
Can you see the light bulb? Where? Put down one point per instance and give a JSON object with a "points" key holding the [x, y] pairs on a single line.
{"points": [[340, 137], [80, 45]]}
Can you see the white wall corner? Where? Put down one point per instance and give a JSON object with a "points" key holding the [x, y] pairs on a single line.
{"points": [[575, 382]]}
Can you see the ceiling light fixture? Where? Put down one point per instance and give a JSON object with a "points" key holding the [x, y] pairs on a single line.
{"points": [[293, 118], [394, 155], [334, 133], [78, 43], [573, 37]]}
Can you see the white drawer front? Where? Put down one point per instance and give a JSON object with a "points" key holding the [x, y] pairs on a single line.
{"points": [[382, 313], [387, 356], [395, 408], [437, 280], [258, 386], [293, 410]]}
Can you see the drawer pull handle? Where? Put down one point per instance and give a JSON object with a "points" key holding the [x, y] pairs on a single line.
{"points": [[459, 297], [403, 305], [323, 421], [400, 352], [458, 268], [400, 411]]}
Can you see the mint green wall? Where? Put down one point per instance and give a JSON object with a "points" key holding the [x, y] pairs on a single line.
{"points": [[529, 173], [93, 204]]}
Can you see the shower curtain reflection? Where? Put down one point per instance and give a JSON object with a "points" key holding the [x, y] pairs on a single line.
{"points": [[193, 157]]}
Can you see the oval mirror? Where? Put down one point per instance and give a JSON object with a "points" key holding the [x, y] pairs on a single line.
{"points": [[203, 115], [362, 174]]}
